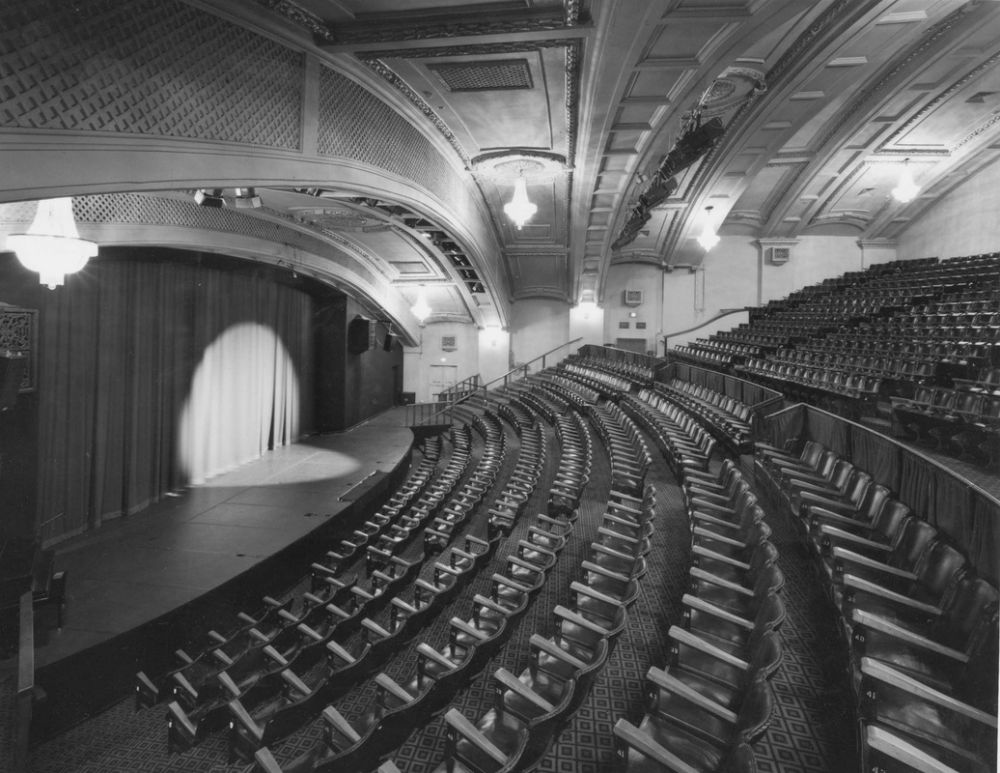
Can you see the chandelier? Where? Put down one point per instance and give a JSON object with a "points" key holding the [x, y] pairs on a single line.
{"points": [[52, 247], [421, 310], [520, 209]]}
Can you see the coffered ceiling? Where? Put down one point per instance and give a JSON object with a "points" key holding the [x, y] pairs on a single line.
{"points": [[822, 103], [387, 136]]}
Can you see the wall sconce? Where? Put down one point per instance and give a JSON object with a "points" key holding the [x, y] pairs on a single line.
{"points": [[708, 238], [52, 247], [421, 310], [520, 209], [906, 190]]}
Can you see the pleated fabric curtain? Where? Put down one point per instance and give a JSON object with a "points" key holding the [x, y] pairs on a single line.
{"points": [[154, 375]]}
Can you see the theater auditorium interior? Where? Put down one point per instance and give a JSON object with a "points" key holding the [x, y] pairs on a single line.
{"points": [[499, 385]]}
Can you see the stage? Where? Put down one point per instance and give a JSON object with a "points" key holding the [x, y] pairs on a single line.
{"points": [[140, 584]]}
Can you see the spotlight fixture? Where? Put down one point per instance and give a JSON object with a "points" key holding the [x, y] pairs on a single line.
{"points": [[708, 238], [52, 247], [244, 198], [520, 209], [209, 197], [906, 190]]}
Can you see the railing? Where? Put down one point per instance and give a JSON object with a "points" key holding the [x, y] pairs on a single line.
{"points": [[525, 369], [422, 414], [463, 388], [615, 354], [966, 512], [701, 326]]}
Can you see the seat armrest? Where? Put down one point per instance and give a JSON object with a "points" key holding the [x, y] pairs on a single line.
{"points": [[845, 559], [882, 672], [858, 584], [335, 720], [242, 717], [701, 574], [893, 746], [703, 552], [463, 727], [642, 742], [865, 622], [693, 602], [683, 636], [506, 679], [553, 650], [840, 535], [265, 762], [675, 686]]}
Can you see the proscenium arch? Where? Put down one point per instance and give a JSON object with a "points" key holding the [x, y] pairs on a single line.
{"points": [[267, 109]]}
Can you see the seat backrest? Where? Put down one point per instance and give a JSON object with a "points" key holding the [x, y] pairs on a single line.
{"points": [[889, 518], [913, 539], [938, 566], [755, 713], [765, 656], [968, 600]]}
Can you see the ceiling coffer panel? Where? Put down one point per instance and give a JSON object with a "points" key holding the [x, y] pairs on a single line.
{"points": [[491, 75]]}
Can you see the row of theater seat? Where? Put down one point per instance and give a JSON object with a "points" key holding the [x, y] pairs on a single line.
{"points": [[219, 648], [713, 698], [726, 417], [959, 421], [868, 316], [395, 707], [248, 671], [684, 442], [633, 371], [530, 708], [920, 627]]}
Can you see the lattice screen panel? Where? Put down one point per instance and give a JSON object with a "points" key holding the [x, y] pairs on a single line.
{"points": [[135, 209], [152, 67], [491, 75], [354, 123]]}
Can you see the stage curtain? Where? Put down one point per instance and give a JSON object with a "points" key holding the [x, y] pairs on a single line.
{"points": [[121, 344]]}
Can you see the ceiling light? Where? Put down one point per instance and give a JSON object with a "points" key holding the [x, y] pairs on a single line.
{"points": [[52, 247], [421, 310], [520, 209], [708, 238], [906, 190]]}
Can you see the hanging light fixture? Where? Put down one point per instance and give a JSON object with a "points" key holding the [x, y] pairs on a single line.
{"points": [[708, 238], [520, 209], [421, 310], [52, 247], [906, 190]]}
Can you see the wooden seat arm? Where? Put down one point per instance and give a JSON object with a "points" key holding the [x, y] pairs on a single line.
{"points": [[673, 685], [506, 679], [882, 672], [866, 621], [469, 732], [643, 743], [685, 637]]}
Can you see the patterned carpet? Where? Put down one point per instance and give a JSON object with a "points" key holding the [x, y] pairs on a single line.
{"points": [[812, 728]]}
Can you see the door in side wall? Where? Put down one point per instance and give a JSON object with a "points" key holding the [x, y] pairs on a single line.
{"points": [[632, 344], [442, 377]]}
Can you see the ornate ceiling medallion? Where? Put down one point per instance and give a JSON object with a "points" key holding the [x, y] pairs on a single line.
{"points": [[507, 166]]}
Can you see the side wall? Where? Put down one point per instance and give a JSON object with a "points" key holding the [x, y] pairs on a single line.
{"points": [[962, 223]]}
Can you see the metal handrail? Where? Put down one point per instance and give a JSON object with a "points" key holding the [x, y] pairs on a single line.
{"points": [[525, 367]]}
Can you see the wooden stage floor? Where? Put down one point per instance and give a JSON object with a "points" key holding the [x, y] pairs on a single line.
{"points": [[136, 569]]}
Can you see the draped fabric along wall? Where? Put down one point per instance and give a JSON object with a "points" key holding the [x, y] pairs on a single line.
{"points": [[969, 516], [156, 374]]}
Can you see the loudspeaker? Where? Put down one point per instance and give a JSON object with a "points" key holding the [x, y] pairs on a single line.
{"points": [[358, 332], [387, 343]]}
